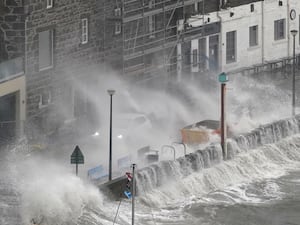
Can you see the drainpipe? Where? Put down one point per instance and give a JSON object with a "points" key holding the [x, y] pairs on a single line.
{"points": [[220, 41], [288, 28], [263, 32], [23, 99]]}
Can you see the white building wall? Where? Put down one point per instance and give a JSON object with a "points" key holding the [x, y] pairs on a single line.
{"points": [[295, 25], [264, 14], [240, 22], [275, 49]]}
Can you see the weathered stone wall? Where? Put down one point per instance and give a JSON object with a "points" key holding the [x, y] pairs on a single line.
{"points": [[113, 47], [12, 23], [72, 60]]}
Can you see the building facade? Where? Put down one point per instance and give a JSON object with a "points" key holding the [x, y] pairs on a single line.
{"points": [[62, 42], [12, 78], [254, 33]]}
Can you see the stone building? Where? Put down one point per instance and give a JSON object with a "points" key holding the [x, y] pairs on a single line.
{"points": [[63, 40]]}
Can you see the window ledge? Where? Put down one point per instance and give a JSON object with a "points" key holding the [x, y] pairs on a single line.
{"points": [[253, 48], [231, 62], [86, 44], [279, 42], [41, 106], [45, 68]]}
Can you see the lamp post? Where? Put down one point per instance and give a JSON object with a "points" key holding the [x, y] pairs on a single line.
{"points": [[294, 33], [111, 93]]}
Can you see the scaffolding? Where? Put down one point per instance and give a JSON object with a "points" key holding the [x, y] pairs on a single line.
{"points": [[152, 29]]}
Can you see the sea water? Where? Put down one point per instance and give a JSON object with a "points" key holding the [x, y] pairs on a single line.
{"points": [[258, 185]]}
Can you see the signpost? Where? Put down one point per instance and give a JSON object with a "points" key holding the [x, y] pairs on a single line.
{"points": [[223, 78], [77, 158]]}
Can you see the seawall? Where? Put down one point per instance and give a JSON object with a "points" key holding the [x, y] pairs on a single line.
{"points": [[153, 176]]}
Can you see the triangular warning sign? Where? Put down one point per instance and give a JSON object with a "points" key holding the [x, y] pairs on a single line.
{"points": [[77, 156]]}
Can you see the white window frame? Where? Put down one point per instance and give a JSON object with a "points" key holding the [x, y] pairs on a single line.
{"points": [[118, 12], [253, 43], [42, 102], [151, 20], [51, 52], [84, 31], [49, 4], [279, 29], [118, 27]]}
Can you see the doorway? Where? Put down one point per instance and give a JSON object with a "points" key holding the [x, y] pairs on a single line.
{"points": [[214, 52], [8, 117]]}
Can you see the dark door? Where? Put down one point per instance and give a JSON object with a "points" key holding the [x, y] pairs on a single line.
{"points": [[7, 117], [214, 52]]}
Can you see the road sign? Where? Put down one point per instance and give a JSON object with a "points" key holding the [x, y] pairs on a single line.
{"points": [[223, 78], [77, 156]]}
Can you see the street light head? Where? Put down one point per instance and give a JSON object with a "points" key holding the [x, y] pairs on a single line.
{"points": [[111, 91], [294, 32]]}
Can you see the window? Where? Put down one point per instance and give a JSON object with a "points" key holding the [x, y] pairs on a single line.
{"points": [[46, 49], [49, 4], [151, 4], [253, 36], [117, 12], [79, 104], [84, 31], [151, 24], [151, 19], [195, 57], [197, 7], [117, 27], [279, 29], [45, 99], [231, 47], [202, 54], [252, 7]]}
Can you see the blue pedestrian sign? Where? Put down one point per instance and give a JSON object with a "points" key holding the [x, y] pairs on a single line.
{"points": [[127, 194], [223, 78]]}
